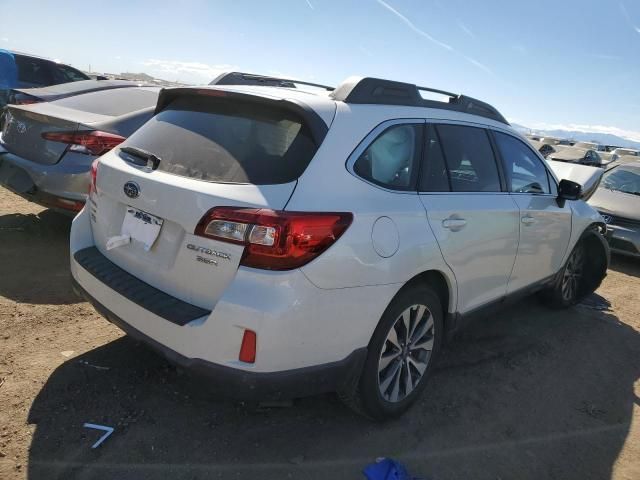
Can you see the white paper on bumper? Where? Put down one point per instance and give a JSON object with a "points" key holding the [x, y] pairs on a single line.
{"points": [[117, 241]]}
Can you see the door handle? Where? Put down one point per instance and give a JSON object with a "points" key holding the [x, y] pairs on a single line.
{"points": [[454, 224], [528, 220]]}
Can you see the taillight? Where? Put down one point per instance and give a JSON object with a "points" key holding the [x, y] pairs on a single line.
{"points": [[94, 176], [274, 240], [248, 347], [25, 101], [91, 142]]}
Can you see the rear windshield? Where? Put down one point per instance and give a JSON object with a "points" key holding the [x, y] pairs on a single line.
{"points": [[112, 102], [217, 140]]}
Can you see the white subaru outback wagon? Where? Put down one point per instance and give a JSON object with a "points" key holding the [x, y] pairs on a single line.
{"points": [[287, 242]]}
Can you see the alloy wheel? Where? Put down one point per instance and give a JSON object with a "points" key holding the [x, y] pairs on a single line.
{"points": [[572, 274], [406, 353]]}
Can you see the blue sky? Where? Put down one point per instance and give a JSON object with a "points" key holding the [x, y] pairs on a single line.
{"points": [[542, 63]]}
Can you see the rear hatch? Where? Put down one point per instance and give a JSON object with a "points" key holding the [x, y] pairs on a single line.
{"points": [[204, 149], [24, 125]]}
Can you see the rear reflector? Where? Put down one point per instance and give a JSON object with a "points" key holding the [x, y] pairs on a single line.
{"points": [[62, 203], [274, 240], [71, 205], [91, 142], [248, 347]]}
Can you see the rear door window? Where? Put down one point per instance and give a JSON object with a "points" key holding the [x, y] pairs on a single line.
{"points": [[469, 158], [33, 72], [227, 141]]}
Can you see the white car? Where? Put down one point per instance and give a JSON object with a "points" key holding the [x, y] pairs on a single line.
{"points": [[287, 242]]}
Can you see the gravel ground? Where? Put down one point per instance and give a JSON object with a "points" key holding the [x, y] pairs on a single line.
{"points": [[529, 394]]}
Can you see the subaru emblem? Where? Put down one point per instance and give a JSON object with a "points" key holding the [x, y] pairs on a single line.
{"points": [[21, 127], [131, 189], [607, 219]]}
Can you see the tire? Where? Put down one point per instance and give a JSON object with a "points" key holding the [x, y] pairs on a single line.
{"points": [[568, 288], [394, 374]]}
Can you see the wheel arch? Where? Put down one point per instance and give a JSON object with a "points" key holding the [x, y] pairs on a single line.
{"points": [[440, 282], [598, 254]]}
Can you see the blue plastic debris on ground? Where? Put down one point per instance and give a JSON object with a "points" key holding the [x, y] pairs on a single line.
{"points": [[387, 469]]}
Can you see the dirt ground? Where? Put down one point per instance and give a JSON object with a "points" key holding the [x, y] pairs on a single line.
{"points": [[529, 394]]}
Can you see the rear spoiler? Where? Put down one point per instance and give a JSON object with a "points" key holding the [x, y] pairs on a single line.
{"points": [[588, 177], [316, 124]]}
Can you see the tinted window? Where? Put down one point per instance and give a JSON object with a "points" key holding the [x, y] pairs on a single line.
{"points": [[625, 178], [114, 102], [221, 141], [592, 156], [66, 74], [469, 157], [32, 71], [433, 174], [392, 159], [524, 170], [546, 150]]}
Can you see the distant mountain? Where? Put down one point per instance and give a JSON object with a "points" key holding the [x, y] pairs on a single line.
{"points": [[603, 138]]}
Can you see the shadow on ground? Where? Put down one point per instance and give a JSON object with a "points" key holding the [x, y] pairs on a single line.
{"points": [[530, 394], [625, 264], [34, 258]]}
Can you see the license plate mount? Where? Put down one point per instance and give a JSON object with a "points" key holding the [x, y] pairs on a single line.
{"points": [[141, 226]]}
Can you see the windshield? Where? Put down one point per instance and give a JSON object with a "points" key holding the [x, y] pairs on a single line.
{"points": [[624, 179]]}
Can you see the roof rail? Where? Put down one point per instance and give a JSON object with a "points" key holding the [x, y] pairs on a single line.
{"points": [[370, 90], [241, 78]]}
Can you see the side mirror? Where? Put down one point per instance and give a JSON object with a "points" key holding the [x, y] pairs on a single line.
{"points": [[568, 190]]}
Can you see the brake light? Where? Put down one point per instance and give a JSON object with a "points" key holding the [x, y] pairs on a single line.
{"points": [[248, 347], [91, 142], [94, 177], [274, 240], [211, 93], [25, 101]]}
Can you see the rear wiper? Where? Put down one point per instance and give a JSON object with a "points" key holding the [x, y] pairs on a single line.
{"points": [[139, 154]]}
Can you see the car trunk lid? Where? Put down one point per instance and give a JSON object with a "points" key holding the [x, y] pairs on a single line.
{"points": [[23, 127]]}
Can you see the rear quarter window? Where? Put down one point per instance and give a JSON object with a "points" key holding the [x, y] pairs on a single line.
{"points": [[66, 74], [233, 142], [112, 102], [33, 72]]}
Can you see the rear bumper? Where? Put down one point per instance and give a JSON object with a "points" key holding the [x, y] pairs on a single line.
{"points": [[309, 340], [62, 186], [244, 384]]}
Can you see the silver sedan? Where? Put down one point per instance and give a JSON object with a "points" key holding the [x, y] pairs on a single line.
{"points": [[618, 201]]}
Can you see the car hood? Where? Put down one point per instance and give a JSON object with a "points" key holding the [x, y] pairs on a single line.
{"points": [[621, 204], [588, 177]]}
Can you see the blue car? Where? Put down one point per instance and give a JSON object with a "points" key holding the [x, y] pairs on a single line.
{"points": [[18, 70]]}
